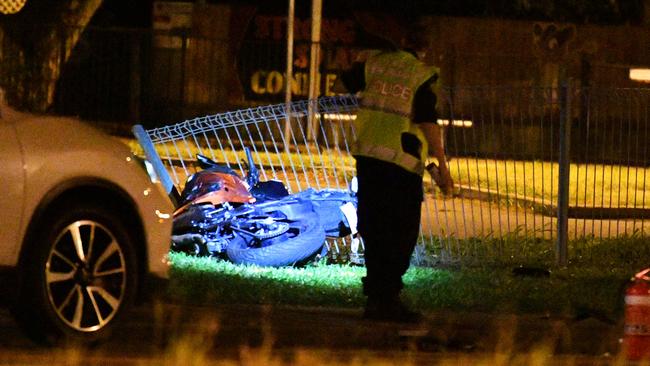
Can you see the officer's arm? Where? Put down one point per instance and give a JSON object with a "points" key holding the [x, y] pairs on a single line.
{"points": [[434, 134], [435, 138]]}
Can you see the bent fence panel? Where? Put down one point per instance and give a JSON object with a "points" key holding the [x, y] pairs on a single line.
{"points": [[298, 153], [286, 145], [504, 148]]}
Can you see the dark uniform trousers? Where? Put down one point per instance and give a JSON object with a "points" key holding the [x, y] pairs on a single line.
{"points": [[389, 210]]}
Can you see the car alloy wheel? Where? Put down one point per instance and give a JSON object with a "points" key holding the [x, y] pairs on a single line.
{"points": [[85, 275]]}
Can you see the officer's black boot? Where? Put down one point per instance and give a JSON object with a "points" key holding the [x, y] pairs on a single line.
{"points": [[390, 309]]}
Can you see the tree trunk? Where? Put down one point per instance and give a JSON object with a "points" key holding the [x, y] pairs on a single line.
{"points": [[34, 46]]}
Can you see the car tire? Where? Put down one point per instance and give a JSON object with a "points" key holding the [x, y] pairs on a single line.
{"points": [[78, 274]]}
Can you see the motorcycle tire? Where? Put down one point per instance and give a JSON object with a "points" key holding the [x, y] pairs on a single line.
{"points": [[309, 240]]}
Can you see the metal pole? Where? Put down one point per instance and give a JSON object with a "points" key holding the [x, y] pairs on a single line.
{"points": [[289, 77], [152, 156], [135, 84], [563, 178], [182, 76], [316, 15]]}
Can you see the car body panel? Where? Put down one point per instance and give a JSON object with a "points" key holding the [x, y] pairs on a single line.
{"points": [[12, 181], [61, 152]]}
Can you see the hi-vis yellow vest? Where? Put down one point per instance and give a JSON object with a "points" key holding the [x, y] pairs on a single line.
{"points": [[385, 109]]}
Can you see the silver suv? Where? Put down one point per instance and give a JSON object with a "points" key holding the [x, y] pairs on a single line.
{"points": [[85, 230]]}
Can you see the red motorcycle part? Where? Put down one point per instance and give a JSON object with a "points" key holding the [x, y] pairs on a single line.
{"points": [[231, 189]]}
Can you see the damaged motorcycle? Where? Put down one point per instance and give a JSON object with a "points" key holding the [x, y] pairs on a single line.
{"points": [[249, 221]]}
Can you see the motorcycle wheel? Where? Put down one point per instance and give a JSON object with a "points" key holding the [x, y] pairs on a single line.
{"points": [[309, 238]]}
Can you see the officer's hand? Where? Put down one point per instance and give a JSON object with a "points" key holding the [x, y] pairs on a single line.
{"points": [[434, 171], [447, 188]]}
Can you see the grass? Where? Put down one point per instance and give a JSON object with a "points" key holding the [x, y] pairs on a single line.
{"points": [[298, 156], [207, 280], [591, 185], [588, 287]]}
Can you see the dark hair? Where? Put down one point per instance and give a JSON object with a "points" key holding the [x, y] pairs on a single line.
{"points": [[416, 36]]}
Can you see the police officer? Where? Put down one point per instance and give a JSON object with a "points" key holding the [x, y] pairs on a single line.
{"points": [[395, 125]]}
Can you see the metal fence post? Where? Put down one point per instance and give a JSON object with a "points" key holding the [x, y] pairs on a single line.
{"points": [[563, 177], [152, 156], [287, 94]]}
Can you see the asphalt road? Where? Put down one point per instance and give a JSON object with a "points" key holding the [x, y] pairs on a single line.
{"points": [[168, 334]]}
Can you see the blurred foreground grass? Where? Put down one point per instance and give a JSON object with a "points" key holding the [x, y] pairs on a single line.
{"points": [[193, 350]]}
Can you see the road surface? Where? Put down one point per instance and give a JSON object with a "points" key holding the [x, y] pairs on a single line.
{"points": [[168, 334]]}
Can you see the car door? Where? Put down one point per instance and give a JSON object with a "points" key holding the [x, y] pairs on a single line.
{"points": [[12, 183]]}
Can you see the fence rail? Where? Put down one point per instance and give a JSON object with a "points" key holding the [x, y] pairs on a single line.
{"points": [[505, 160]]}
